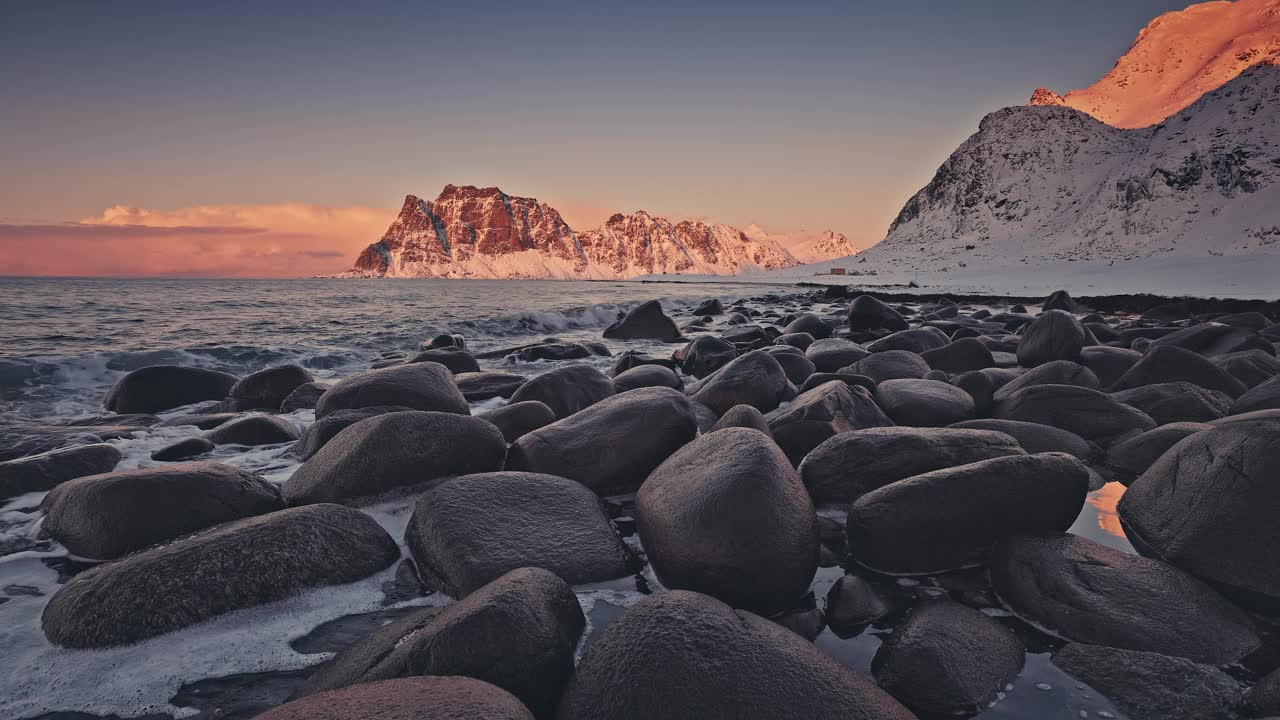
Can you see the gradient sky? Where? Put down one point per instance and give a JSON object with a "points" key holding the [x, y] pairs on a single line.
{"points": [[276, 138]]}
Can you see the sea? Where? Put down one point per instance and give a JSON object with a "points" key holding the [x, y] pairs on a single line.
{"points": [[65, 341]]}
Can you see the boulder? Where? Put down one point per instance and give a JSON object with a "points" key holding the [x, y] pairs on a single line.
{"points": [[808, 323], [323, 430], [852, 464], [1265, 396], [794, 363], [831, 354], [1109, 363], [1091, 414], [392, 451], [485, 385], [552, 351], [709, 307], [1130, 458], [420, 698], [516, 420], [631, 359], [423, 386], [38, 473], [1207, 506], [1077, 589], [107, 516], [681, 655], [924, 403], [959, 356], [827, 410], [1176, 402], [980, 387], [457, 359], [1036, 438], [444, 341], [1151, 686], [1057, 372], [852, 604], [470, 530], [1251, 367], [948, 659], [743, 416], [1060, 300], [892, 365], [567, 390], [1213, 339], [518, 632], [916, 340], [949, 519], [165, 387], [183, 450], [755, 379], [796, 340], [303, 397], [241, 564], [727, 515], [613, 445], [254, 430], [704, 355], [644, 322], [1175, 364], [868, 313], [647, 376], [1053, 335], [1263, 699], [268, 389]]}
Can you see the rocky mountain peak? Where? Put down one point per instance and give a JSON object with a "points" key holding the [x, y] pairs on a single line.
{"points": [[1045, 96]]}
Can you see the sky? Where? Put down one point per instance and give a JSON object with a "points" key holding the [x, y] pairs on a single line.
{"points": [[272, 138]]}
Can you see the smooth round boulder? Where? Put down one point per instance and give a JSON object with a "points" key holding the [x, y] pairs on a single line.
{"points": [[801, 341], [949, 519], [851, 464], [1251, 367], [682, 655], [631, 359], [794, 363], [1264, 396], [1060, 300], [868, 313], [1056, 372], [916, 340], [567, 390], [1080, 590], [959, 356], [924, 403], [254, 430], [425, 386], [743, 416], [164, 387], [323, 430], [852, 604], [268, 389], [1053, 335], [392, 451], [518, 632], [38, 473], [948, 659], [727, 515], [241, 564], [1108, 363], [1207, 506], [829, 409], [477, 386], [754, 379], [1036, 438], [457, 359], [516, 420], [1176, 402], [892, 365], [612, 446], [425, 697], [647, 376], [709, 307], [102, 517], [444, 340], [1173, 364], [980, 387], [469, 530], [704, 355], [1151, 686], [644, 322], [1212, 339], [810, 324], [183, 450], [1130, 458], [303, 397], [831, 354], [1091, 414]]}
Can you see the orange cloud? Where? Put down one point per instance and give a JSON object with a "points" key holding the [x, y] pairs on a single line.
{"points": [[282, 240]]}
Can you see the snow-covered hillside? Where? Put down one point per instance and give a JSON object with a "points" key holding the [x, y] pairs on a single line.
{"points": [[806, 247]]}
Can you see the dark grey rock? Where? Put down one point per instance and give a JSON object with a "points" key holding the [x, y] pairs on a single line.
{"points": [[808, 323], [852, 604], [704, 355], [1251, 367], [1091, 414], [647, 376], [794, 363], [644, 322], [303, 397], [923, 403], [754, 379], [457, 359], [825, 411], [1053, 335], [268, 389], [1037, 438], [868, 313], [959, 356], [183, 450], [743, 416], [831, 354], [516, 420], [165, 387], [1150, 686], [892, 365], [485, 385], [916, 340], [420, 698], [37, 473], [1213, 339], [1057, 372], [1265, 396], [1131, 457], [254, 430], [423, 386], [323, 430], [567, 390], [1176, 402], [1174, 364], [1109, 363]]}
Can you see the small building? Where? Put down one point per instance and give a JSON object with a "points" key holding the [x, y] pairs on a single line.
{"points": [[837, 271]]}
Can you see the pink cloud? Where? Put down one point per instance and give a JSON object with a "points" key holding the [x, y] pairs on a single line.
{"points": [[283, 240]]}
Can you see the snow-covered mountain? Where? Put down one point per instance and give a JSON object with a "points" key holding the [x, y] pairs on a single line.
{"points": [[470, 232], [1040, 184], [807, 247], [1177, 58]]}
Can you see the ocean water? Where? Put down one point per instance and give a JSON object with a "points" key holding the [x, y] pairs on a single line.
{"points": [[65, 341]]}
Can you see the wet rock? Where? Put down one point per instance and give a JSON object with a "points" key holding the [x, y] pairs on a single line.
{"points": [[106, 516], [392, 451], [916, 340], [242, 564], [470, 530], [827, 410], [1036, 438], [946, 658], [1131, 457], [1061, 300], [552, 351], [892, 365], [923, 403], [1091, 414], [324, 429], [201, 421], [1150, 686], [420, 698], [1207, 506], [516, 420], [1054, 335], [566, 390], [1077, 589], [834, 353], [445, 341], [1265, 396], [704, 355], [794, 363], [644, 322], [755, 379], [1175, 364], [267, 389], [1109, 363], [647, 376], [477, 386], [709, 307], [37, 473], [423, 386], [853, 381], [517, 632], [632, 359], [303, 397], [796, 340], [1057, 372], [868, 313], [1250, 367], [949, 519], [851, 464], [705, 416], [727, 515], [253, 431], [164, 387], [1176, 402], [980, 387], [807, 623], [678, 655], [457, 359], [852, 604], [613, 445], [743, 416], [1213, 339], [808, 323], [959, 356], [1263, 699], [183, 450]]}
